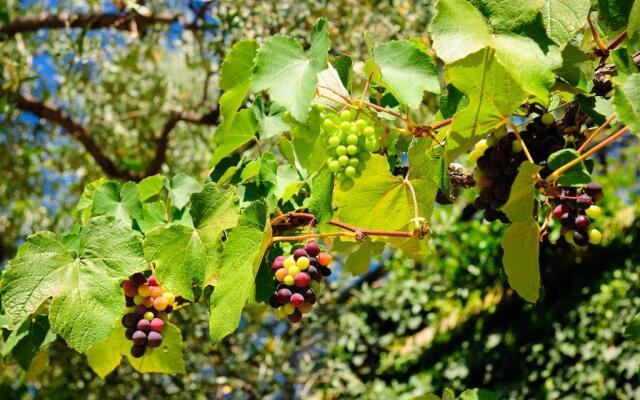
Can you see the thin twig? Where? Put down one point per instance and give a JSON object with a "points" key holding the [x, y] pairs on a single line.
{"points": [[596, 36], [597, 131]]}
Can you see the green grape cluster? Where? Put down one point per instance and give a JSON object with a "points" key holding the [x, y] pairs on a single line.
{"points": [[350, 141]]}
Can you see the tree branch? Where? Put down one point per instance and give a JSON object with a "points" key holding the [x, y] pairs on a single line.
{"points": [[162, 140], [51, 112], [123, 22]]}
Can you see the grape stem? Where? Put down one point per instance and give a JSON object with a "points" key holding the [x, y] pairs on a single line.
{"points": [[350, 230], [597, 131], [596, 36], [557, 173], [524, 146], [352, 101], [416, 214], [364, 92]]}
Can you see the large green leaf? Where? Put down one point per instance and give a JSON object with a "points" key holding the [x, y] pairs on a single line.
{"points": [[492, 93], [406, 71], [105, 356], [235, 79], [114, 200], [242, 130], [564, 18], [627, 101], [186, 255], [521, 247], [509, 15], [615, 12], [460, 29], [377, 194], [243, 251], [151, 186], [84, 285], [290, 75], [633, 28], [519, 207], [85, 204]]}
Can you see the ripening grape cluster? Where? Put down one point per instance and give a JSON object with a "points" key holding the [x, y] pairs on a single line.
{"points": [[149, 304], [350, 141], [498, 157], [576, 210], [299, 276]]}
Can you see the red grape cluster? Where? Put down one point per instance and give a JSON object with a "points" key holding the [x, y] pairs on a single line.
{"points": [[298, 277], [575, 210], [149, 304], [499, 156]]}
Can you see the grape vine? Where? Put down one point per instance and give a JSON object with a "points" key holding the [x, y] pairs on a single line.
{"points": [[311, 161]]}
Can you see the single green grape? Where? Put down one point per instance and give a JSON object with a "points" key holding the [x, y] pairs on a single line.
{"points": [[345, 126], [343, 160], [371, 145], [334, 141], [352, 139], [346, 115], [361, 124], [327, 124], [350, 171], [352, 149], [334, 165], [364, 156], [346, 184], [547, 119], [492, 141], [341, 176], [369, 131], [341, 150], [353, 161]]}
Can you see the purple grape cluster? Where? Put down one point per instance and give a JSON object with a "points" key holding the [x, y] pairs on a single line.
{"points": [[499, 156], [298, 276], [575, 209]]}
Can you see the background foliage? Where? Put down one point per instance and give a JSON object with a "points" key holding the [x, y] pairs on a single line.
{"points": [[148, 101]]}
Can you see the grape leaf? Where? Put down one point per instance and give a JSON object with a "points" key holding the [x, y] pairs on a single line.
{"points": [[564, 18], [406, 71], [27, 338], [509, 15], [632, 330], [243, 252], [181, 188], [359, 260], [615, 12], [519, 207], [344, 67], [85, 285], [153, 215], [458, 30], [320, 203], [271, 123], [575, 176], [242, 130], [121, 202], [627, 101], [478, 394], [85, 204], [492, 94], [185, 255], [331, 91], [151, 186], [105, 356], [377, 194], [633, 27], [290, 76], [235, 79], [521, 247]]}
